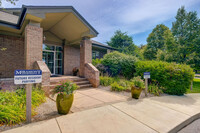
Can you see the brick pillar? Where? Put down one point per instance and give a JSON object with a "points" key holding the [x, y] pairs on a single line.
{"points": [[33, 45], [85, 54]]}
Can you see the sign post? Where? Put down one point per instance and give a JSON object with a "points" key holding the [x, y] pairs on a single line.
{"points": [[146, 77], [28, 77]]}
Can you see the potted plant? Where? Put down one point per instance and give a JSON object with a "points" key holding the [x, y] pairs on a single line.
{"points": [[75, 71], [137, 87], [65, 96]]}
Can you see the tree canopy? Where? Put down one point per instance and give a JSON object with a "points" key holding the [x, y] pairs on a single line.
{"points": [[10, 1], [124, 43], [120, 40], [186, 30], [160, 38]]}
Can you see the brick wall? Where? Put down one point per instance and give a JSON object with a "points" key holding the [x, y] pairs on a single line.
{"points": [[85, 54], [33, 45], [71, 58], [13, 57]]}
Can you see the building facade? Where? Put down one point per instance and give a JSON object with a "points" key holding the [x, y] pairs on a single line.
{"points": [[54, 39]]}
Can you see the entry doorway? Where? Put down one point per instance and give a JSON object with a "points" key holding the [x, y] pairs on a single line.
{"points": [[53, 57]]}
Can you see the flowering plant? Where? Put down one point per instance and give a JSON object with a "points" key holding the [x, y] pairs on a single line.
{"points": [[64, 88], [138, 82]]}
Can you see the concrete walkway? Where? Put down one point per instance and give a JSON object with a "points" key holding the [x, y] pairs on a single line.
{"points": [[92, 98], [155, 114]]}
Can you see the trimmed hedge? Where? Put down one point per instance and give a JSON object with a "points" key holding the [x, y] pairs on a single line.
{"points": [[119, 64], [174, 78]]}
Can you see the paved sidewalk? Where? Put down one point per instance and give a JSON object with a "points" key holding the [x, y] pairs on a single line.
{"points": [[93, 97], [149, 115]]}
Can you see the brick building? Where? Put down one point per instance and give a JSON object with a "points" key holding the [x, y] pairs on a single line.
{"points": [[55, 39]]}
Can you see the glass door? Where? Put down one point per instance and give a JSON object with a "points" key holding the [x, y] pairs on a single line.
{"points": [[53, 57], [48, 58]]}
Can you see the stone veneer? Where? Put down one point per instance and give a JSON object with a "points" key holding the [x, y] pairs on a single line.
{"points": [[12, 57]]}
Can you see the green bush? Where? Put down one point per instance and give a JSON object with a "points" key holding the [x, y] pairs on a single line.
{"points": [[118, 63], [106, 81], [175, 78], [13, 105], [155, 89], [96, 61], [125, 83], [67, 87], [138, 82], [116, 87]]}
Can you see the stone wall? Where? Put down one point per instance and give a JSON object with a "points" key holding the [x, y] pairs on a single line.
{"points": [[41, 65], [12, 57], [71, 58], [92, 74]]}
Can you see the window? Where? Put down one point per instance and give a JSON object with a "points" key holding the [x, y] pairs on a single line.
{"points": [[95, 54]]}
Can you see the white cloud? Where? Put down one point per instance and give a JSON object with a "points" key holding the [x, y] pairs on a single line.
{"points": [[133, 16]]}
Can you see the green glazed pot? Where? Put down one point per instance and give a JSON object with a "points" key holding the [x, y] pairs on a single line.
{"points": [[64, 103], [135, 92]]}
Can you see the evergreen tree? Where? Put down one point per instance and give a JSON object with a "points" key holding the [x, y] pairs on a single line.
{"points": [[160, 38], [186, 30], [120, 40]]}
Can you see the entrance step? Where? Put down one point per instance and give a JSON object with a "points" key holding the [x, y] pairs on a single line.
{"points": [[81, 82], [85, 86]]}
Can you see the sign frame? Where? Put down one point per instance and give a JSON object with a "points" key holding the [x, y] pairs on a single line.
{"points": [[147, 75], [28, 77]]}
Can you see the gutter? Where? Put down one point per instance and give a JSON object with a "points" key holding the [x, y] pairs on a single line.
{"points": [[24, 11]]}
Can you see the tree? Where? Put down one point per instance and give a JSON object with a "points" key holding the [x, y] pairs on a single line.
{"points": [[160, 38], [124, 44], [10, 1], [186, 30], [120, 40]]}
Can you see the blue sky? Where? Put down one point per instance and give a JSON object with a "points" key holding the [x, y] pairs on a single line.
{"points": [[136, 17]]}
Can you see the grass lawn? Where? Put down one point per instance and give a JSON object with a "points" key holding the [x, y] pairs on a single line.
{"points": [[196, 86]]}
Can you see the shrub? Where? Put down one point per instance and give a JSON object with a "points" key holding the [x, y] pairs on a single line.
{"points": [[175, 78], [102, 69], [96, 61], [118, 63], [13, 105], [66, 88], [106, 81], [128, 66], [138, 82], [116, 87], [154, 89], [126, 84]]}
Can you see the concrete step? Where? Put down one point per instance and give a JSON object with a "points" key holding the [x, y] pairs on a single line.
{"points": [[82, 82], [79, 79], [85, 86], [60, 80]]}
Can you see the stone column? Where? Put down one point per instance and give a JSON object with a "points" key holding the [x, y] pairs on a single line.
{"points": [[33, 45], [85, 54]]}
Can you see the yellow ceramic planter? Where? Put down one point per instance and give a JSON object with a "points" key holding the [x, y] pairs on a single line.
{"points": [[64, 103], [135, 92]]}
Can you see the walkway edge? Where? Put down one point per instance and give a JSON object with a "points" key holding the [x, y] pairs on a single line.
{"points": [[185, 123]]}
